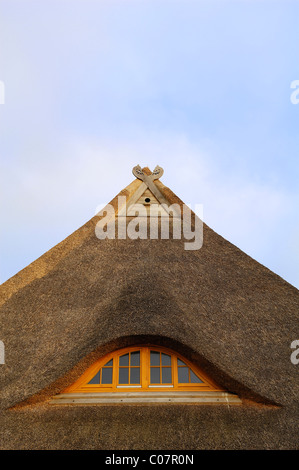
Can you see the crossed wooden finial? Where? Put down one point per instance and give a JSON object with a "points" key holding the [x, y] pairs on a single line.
{"points": [[156, 174], [149, 180]]}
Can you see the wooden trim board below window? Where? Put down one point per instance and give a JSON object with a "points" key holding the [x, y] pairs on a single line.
{"points": [[113, 398]]}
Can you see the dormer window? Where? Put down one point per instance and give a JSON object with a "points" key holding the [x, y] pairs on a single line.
{"points": [[143, 373]]}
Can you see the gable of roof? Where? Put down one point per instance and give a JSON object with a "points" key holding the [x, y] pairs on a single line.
{"points": [[217, 306]]}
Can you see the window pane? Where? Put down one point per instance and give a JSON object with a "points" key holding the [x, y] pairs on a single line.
{"points": [[183, 376], [193, 378], [95, 379], [166, 360], [124, 360], [124, 375], [155, 358], [166, 375], [107, 375], [155, 375], [135, 358], [135, 375], [181, 363], [109, 363]]}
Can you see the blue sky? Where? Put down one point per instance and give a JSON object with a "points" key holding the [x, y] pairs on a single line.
{"points": [[201, 88]]}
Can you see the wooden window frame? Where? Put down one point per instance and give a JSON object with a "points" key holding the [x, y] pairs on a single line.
{"points": [[82, 385]]}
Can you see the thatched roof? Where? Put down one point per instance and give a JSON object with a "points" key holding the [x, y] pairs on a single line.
{"points": [[86, 297]]}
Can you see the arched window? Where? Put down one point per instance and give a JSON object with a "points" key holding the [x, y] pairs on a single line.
{"points": [[142, 368], [144, 374]]}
